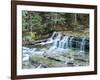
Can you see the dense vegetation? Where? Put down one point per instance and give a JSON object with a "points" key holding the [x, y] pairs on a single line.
{"points": [[37, 24]]}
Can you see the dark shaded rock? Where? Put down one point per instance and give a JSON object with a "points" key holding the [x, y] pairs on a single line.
{"points": [[70, 63]]}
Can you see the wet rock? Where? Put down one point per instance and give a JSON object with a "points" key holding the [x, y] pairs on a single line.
{"points": [[25, 63], [81, 59], [70, 64]]}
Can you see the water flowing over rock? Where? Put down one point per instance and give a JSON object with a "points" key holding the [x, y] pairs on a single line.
{"points": [[58, 45], [65, 42], [82, 46]]}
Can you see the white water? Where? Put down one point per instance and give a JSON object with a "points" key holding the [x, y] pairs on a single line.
{"points": [[70, 42], [59, 44], [27, 52], [82, 46], [50, 40], [53, 35]]}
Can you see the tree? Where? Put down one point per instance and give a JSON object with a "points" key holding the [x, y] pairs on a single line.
{"points": [[25, 21], [32, 21], [48, 22], [83, 19], [54, 18]]}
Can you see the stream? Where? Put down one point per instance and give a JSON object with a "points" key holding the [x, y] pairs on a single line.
{"points": [[58, 51]]}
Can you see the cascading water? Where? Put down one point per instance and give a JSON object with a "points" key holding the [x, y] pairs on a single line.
{"points": [[65, 46], [53, 35], [70, 42], [60, 43], [64, 42], [26, 53], [57, 41], [50, 40], [82, 46], [56, 44]]}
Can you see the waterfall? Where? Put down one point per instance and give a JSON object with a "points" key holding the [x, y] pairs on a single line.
{"points": [[82, 46], [50, 40], [60, 42], [64, 43], [70, 42], [53, 36], [57, 40]]}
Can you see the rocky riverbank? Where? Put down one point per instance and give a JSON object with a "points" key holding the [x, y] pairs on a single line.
{"points": [[59, 50], [70, 58]]}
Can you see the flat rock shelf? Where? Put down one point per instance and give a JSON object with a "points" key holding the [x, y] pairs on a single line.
{"points": [[57, 51]]}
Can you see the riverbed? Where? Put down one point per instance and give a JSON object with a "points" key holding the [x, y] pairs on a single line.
{"points": [[58, 51]]}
